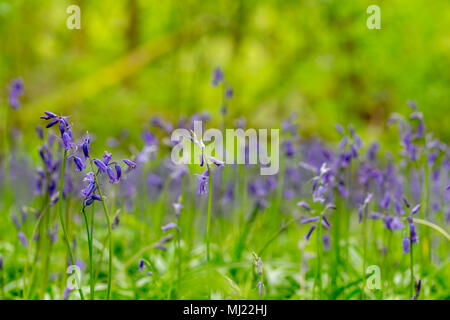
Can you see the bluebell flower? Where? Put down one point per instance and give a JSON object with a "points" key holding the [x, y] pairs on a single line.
{"points": [[169, 226], [217, 76], [22, 238], [129, 163], [203, 182], [85, 147], [80, 166], [406, 244], [112, 177], [310, 231], [100, 165], [15, 91]]}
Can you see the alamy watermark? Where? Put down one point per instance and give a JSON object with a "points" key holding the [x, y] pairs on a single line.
{"points": [[74, 20], [241, 146]]}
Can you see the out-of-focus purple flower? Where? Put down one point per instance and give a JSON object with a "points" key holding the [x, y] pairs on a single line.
{"points": [[66, 293], [141, 265], [393, 223], [326, 242], [40, 132], [405, 201], [398, 207], [217, 162], [203, 182], [15, 221], [129, 163], [304, 205], [169, 226], [418, 287], [15, 91], [177, 207], [412, 104], [415, 209], [310, 231], [414, 236], [229, 92], [22, 238], [261, 289], [339, 128], [149, 138], [447, 188], [217, 76], [406, 244], [343, 143], [289, 149], [1, 262], [308, 220], [54, 234], [385, 201]]}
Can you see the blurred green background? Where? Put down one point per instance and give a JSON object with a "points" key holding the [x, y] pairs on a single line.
{"points": [[133, 59]]}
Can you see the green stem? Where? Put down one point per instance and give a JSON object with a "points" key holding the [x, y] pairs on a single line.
{"points": [[318, 278], [91, 270], [108, 220], [61, 219], [208, 221]]}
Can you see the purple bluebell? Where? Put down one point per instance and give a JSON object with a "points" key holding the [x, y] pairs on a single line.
{"points": [[217, 162], [85, 147], [418, 287], [203, 182], [15, 90], [326, 242], [405, 201], [107, 158], [385, 201], [413, 232], [67, 141], [261, 289], [217, 76], [100, 165], [40, 132], [22, 238], [177, 207], [393, 223], [169, 226], [66, 293], [415, 209], [129, 163], [304, 205], [308, 220], [310, 231], [406, 244], [111, 175], [118, 169], [339, 128], [15, 221], [289, 149], [229, 92], [80, 166]]}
